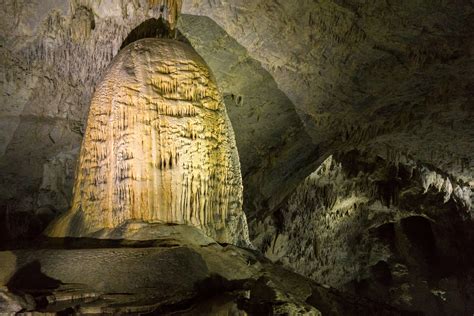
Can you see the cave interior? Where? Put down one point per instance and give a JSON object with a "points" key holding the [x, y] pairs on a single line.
{"points": [[264, 157]]}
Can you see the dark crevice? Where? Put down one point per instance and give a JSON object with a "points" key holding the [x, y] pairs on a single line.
{"points": [[31, 280], [153, 28]]}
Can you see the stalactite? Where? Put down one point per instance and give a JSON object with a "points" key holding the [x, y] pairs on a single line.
{"points": [[152, 152], [170, 9]]}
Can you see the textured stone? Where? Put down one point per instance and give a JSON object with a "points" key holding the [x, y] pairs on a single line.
{"points": [[364, 225], [45, 111], [158, 147], [268, 131], [333, 61], [167, 275], [11, 303], [301, 82]]}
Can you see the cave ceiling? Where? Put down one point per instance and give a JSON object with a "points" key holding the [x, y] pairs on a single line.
{"points": [[300, 79]]}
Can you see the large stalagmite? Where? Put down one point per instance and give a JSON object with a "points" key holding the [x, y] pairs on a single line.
{"points": [[158, 148]]}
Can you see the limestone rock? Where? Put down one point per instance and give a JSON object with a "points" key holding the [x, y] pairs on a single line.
{"points": [[393, 78], [158, 147], [365, 225], [156, 276], [334, 61], [11, 303]]}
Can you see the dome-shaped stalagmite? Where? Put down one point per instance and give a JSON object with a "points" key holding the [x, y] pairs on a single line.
{"points": [[158, 148]]}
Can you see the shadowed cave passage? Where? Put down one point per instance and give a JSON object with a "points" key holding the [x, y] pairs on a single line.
{"points": [[376, 220], [149, 29], [153, 28], [29, 279]]}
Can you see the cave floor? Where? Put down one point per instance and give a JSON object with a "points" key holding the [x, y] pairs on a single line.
{"points": [[167, 275]]}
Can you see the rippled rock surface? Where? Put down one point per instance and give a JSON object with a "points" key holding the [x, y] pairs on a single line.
{"points": [[158, 147]]}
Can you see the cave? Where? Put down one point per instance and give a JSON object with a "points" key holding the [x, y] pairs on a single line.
{"points": [[188, 157]]}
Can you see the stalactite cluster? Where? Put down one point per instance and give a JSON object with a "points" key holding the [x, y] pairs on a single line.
{"points": [[158, 147], [348, 217], [170, 10]]}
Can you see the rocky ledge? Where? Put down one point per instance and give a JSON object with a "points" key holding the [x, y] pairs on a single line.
{"points": [[179, 271]]}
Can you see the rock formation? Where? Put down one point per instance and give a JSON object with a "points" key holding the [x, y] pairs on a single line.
{"points": [[158, 147], [389, 80], [362, 224], [169, 275]]}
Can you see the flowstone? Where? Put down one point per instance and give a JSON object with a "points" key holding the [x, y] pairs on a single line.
{"points": [[158, 148]]}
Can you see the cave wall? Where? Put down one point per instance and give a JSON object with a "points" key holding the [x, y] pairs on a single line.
{"points": [[395, 79], [300, 81], [384, 74], [399, 233], [55, 53]]}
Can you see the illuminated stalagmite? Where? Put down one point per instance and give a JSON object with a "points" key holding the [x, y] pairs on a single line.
{"points": [[158, 147]]}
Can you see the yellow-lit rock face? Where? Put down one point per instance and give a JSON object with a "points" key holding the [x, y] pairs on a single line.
{"points": [[158, 147]]}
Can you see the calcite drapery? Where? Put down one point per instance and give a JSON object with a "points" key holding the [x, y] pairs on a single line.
{"points": [[158, 147]]}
